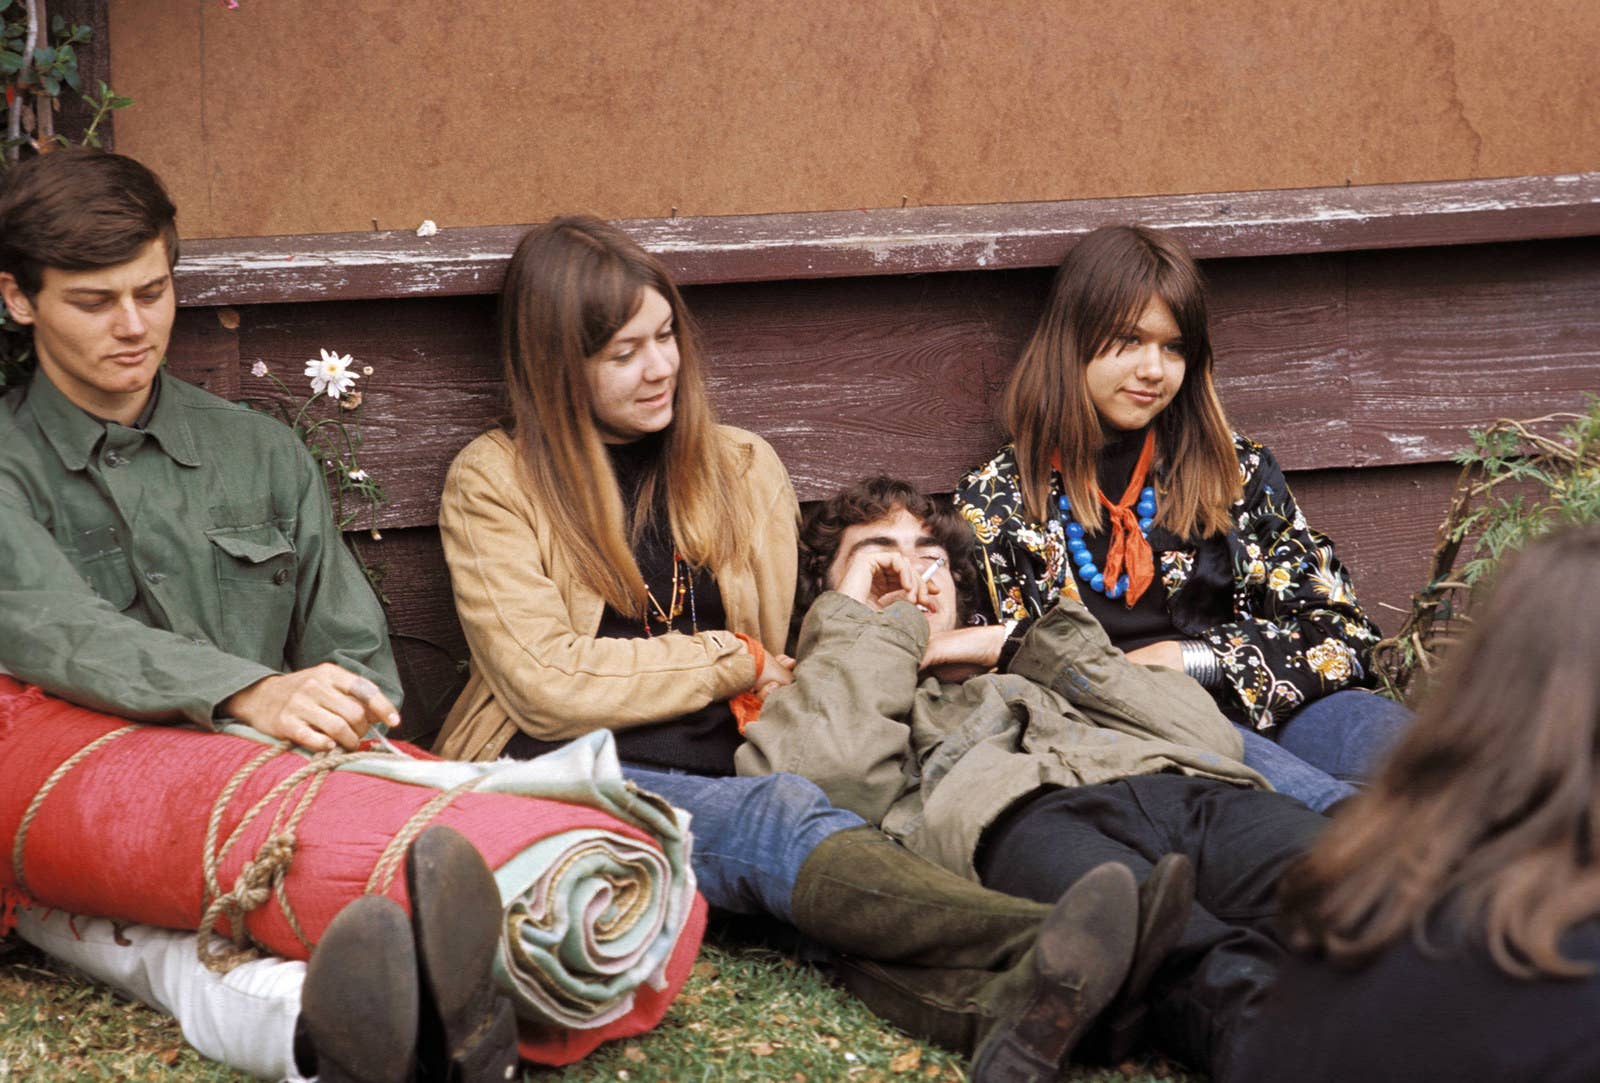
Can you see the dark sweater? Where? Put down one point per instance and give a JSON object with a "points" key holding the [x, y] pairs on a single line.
{"points": [[701, 742], [1450, 1015]]}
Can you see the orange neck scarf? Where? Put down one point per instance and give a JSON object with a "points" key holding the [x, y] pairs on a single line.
{"points": [[1128, 551]]}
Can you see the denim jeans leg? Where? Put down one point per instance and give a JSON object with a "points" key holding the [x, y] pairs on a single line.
{"points": [[1346, 734], [1289, 774], [751, 835]]}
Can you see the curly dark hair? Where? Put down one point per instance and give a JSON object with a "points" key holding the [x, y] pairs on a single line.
{"points": [[869, 500]]}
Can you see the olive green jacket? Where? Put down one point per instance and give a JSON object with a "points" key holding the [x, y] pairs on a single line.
{"points": [[154, 572], [936, 763]]}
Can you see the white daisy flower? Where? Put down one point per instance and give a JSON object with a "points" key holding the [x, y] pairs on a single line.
{"points": [[358, 475], [259, 369], [331, 374]]}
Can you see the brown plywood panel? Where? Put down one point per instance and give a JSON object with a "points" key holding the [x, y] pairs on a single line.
{"points": [[1278, 330], [295, 116]]}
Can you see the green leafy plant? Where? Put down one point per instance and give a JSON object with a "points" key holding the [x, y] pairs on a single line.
{"points": [[328, 422], [1519, 479]]}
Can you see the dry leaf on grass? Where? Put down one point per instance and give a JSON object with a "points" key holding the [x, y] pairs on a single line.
{"points": [[907, 1061]]}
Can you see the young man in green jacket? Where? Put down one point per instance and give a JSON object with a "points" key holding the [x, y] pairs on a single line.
{"points": [[170, 557], [1023, 762]]}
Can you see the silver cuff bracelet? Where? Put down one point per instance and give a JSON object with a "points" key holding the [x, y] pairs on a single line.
{"points": [[1200, 662]]}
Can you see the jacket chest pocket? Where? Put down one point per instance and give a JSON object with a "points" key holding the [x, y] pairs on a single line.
{"points": [[256, 587], [99, 558]]}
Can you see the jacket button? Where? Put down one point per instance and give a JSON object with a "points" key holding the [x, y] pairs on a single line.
{"points": [[153, 577], [281, 576]]}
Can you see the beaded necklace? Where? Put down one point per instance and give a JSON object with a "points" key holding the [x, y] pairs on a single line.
{"points": [[1129, 567], [682, 589], [1078, 550]]}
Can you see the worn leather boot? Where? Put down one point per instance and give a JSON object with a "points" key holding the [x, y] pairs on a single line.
{"points": [[1165, 898], [467, 1033], [862, 893], [1075, 968], [359, 1005]]}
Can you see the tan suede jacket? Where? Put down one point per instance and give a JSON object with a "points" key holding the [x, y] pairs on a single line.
{"points": [[935, 763], [530, 625]]}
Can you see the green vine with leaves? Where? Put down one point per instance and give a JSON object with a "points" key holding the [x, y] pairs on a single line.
{"points": [[1519, 479]]}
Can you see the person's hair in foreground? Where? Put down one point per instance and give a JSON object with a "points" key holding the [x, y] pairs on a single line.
{"points": [[1098, 294], [867, 501], [572, 284], [1491, 803], [78, 210]]}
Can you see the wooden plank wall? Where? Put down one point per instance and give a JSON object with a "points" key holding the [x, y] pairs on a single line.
{"points": [[1362, 368]]}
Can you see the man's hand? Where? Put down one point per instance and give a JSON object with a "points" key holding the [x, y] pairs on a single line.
{"points": [[963, 652], [317, 708], [877, 579], [776, 669], [1166, 652]]}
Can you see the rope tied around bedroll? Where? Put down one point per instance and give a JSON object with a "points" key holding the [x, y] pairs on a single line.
{"points": [[44, 791], [263, 876]]}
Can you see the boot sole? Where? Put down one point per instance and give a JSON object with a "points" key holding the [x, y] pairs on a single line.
{"points": [[468, 1032], [1165, 899], [360, 1001], [1080, 960]]}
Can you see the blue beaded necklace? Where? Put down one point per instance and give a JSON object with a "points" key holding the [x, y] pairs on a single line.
{"points": [[1078, 550]]}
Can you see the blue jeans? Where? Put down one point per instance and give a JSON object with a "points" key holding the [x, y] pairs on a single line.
{"points": [[751, 835], [1328, 745], [1346, 734]]}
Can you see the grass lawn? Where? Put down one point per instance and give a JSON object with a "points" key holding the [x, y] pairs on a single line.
{"points": [[748, 1013]]}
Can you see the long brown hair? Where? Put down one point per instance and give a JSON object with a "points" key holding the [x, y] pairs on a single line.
{"points": [[572, 284], [1100, 291], [1490, 801]]}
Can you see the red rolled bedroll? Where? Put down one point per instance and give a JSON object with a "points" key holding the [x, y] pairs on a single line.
{"points": [[122, 829]]}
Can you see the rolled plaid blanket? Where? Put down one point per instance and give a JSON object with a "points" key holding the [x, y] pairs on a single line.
{"points": [[228, 832]]}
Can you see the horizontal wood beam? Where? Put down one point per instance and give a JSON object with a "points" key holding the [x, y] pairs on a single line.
{"points": [[913, 240]]}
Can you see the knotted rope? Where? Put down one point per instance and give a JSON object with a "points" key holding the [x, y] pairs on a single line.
{"points": [[263, 876]]}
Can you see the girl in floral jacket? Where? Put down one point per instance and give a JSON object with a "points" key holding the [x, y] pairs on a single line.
{"points": [[1125, 487]]}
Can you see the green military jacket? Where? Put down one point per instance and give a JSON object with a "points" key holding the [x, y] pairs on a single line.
{"points": [[935, 763], [154, 572]]}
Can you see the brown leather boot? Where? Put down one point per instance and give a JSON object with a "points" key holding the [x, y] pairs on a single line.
{"points": [[359, 1004], [1073, 971], [1165, 898], [467, 1033]]}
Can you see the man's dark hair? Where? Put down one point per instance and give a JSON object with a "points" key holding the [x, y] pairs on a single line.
{"points": [[76, 210], [869, 500]]}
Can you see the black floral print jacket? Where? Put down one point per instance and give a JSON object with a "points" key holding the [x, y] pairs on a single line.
{"points": [[1269, 597]]}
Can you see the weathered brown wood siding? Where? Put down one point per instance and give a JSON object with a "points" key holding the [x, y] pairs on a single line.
{"points": [[1359, 357]]}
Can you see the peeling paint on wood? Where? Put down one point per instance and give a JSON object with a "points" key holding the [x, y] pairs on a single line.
{"points": [[912, 240]]}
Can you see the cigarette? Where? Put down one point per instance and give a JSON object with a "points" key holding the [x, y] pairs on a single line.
{"points": [[927, 573]]}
